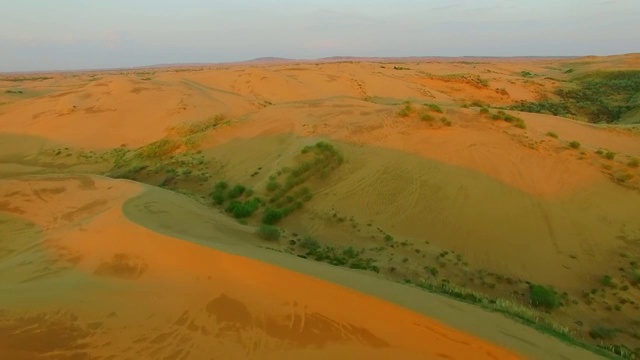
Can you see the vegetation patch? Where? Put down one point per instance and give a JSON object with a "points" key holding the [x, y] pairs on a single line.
{"points": [[347, 257], [543, 297], [599, 97], [268, 232], [434, 108], [407, 110]]}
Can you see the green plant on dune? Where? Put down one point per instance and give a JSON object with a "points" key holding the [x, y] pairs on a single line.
{"points": [[407, 110], [543, 297], [603, 333], [427, 117], [574, 144], [243, 209], [552, 134], [446, 121], [268, 232], [435, 108], [236, 191], [634, 162]]}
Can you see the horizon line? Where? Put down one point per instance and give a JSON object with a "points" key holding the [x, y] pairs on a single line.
{"points": [[338, 58]]}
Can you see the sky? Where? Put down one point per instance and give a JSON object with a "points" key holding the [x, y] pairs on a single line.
{"points": [[38, 35]]}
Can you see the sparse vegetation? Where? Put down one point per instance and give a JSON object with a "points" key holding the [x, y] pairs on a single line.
{"points": [[446, 121], [407, 110], [574, 144], [610, 155], [25, 78], [552, 134], [634, 162]]}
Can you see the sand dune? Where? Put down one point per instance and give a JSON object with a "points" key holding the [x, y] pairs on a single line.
{"points": [[110, 261], [114, 288]]}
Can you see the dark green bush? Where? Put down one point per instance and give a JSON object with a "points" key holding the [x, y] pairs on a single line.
{"points": [[243, 209], [269, 232], [310, 244], [218, 197], [544, 297], [236, 191], [574, 144], [272, 216], [427, 117], [603, 333], [272, 185]]}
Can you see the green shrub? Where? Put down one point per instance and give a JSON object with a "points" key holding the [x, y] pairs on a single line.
{"points": [[634, 162], [310, 244], [435, 108], [236, 191], [552, 134], [350, 253], [606, 280], [496, 117], [221, 185], [427, 117], [484, 110], [544, 297], [243, 209], [610, 155], [272, 216], [574, 144], [269, 232], [603, 333], [519, 123], [272, 185], [446, 121], [218, 197]]}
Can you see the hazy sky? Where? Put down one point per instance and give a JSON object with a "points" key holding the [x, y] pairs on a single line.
{"points": [[76, 34]]}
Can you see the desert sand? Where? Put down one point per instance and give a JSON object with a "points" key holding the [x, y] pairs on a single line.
{"points": [[82, 280], [477, 202]]}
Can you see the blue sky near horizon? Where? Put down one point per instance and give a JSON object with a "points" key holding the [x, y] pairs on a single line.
{"points": [[83, 34]]}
